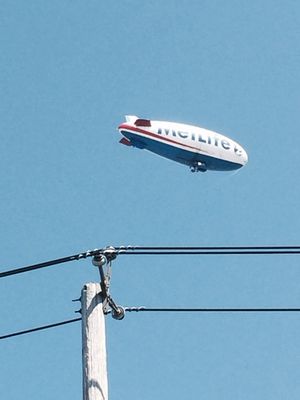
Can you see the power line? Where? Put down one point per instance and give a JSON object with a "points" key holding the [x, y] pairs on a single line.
{"points": [[146, 309], [139, 250], [40, 328], [208, 250], [134, 248], [49, 263], [213, 310], [217, 252]]}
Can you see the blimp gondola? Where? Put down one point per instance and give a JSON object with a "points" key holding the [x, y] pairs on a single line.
{"points": [[198, 148]]}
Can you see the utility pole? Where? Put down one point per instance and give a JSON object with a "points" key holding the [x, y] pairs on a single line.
{"points": [[95, 386]]}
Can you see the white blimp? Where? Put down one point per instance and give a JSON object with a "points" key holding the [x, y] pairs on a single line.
{"points": [[199, 148]]}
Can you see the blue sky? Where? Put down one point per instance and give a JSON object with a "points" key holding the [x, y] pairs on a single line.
{"points": [[70, 71]]}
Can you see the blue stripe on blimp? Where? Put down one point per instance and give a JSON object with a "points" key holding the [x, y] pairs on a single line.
{"points": [[176, 154]]}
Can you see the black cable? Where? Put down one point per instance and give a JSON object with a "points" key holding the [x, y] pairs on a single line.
{"points": [[40, 328], [222, 252], [50, 263], [157, 248], [144, 309], [131, 250]]}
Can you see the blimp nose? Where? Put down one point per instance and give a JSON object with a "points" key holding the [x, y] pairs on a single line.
{"points": [[245, 157]]}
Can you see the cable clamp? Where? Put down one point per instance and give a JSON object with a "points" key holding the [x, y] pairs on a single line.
{"points": [[135, 309], [103, 261]]}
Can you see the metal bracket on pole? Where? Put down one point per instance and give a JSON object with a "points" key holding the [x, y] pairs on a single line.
{"points": [[100, 261]]}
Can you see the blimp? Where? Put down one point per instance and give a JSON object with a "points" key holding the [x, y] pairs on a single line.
{"points": [[198, 148]]}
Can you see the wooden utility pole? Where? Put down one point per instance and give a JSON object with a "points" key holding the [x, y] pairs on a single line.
{"points": [[95, 385]]}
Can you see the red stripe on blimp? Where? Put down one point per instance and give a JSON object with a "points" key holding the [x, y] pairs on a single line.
{"points": [[156, 136]]}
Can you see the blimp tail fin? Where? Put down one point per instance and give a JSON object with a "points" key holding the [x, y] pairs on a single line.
{"points": [[125, 141], [131, 118]]}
